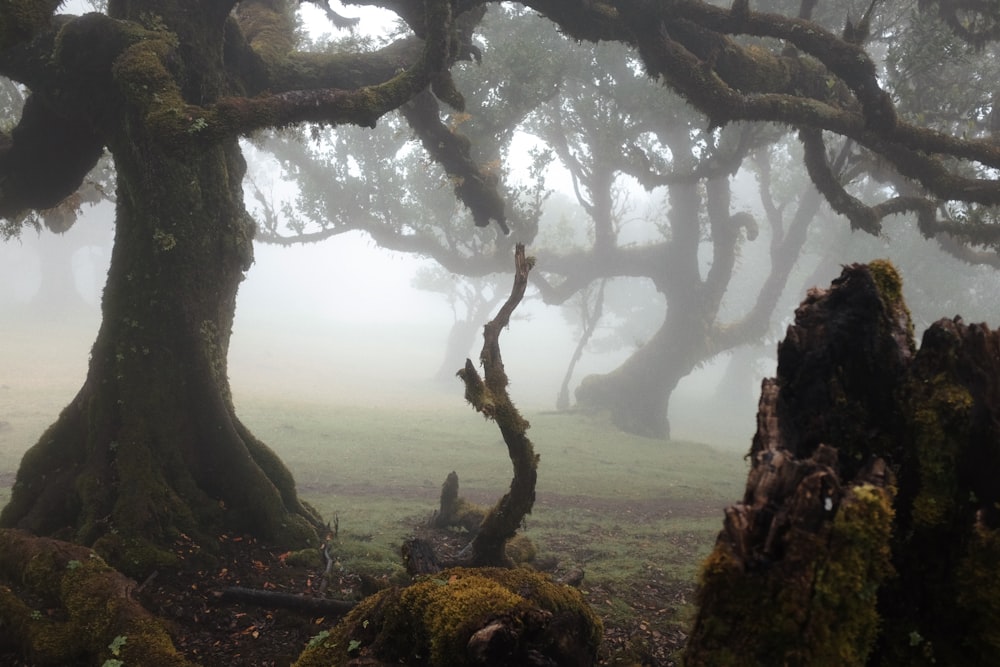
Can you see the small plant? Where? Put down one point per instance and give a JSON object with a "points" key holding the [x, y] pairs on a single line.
{"points": [[116, 644], [116, 649], [197, 125], [318, 639]]}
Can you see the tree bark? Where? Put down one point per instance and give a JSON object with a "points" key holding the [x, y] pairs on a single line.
{"points": [[490, 397], [869, 532], [151, 446], [637, 393]]}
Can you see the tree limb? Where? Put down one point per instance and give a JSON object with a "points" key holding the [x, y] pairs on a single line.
{"points": [[489, 396]]}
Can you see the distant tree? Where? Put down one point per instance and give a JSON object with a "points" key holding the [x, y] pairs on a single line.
{"points": [[472, 301]]}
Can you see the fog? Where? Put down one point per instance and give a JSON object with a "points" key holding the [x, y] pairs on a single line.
{"points": [[340, 321], [334, 322]]}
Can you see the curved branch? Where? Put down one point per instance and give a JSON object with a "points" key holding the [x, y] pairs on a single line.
{"points": [[489, 396], [45, 159], [181, 123], [861, 216], [474, 186]]}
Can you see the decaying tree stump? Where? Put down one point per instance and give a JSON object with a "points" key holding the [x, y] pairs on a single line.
{"points": [[868, 532]]}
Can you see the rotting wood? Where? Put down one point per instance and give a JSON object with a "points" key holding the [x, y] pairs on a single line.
{"points": [[279, 600]]}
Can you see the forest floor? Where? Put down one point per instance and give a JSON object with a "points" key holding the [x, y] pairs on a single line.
{"points": [[645, 616], [637, 515]]}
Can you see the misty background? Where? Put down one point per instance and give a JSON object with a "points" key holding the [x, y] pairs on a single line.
{"points": [[342, 322]]}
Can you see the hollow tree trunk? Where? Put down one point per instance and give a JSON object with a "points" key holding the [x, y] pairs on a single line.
{"points": [[151, 447]]}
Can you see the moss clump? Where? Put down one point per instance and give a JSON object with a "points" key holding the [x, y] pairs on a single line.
{"points": [[432, 621], [520, 550], [96, 619], [978, 580], [843, 615], [135, 557], [941, 427], [890, 288], [310, 558]]}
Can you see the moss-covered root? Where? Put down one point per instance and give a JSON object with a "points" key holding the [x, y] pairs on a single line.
{"points": [[458, 617], [67, 606]]}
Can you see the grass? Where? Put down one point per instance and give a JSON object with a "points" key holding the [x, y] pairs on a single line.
{"points": [[637, 514], [614, 504]]}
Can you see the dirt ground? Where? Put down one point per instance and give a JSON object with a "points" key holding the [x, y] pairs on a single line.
{"points": [[643, 617]]}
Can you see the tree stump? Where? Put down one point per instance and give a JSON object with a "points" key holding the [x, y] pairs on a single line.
{"points": [[867, 534]]}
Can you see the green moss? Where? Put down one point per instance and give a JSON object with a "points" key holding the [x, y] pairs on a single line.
{"points": [[310, 558], [890, 288], [520, 549], [20, 19], [941, 423], [93, 608], [134, 556], [887, 279], [816, 606], [978, 584], [431, 621], [843, 616]]}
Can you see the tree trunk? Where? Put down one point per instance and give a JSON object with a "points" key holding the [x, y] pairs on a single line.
{"points": [[637, 393], [151, 447], [460, 340], [869, 532]]}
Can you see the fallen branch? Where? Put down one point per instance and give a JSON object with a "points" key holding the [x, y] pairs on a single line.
{"points": [[276, 600]]}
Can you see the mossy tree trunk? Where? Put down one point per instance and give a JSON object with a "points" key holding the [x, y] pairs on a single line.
{"points": [[150, 447], [637, 393], [869, 532]]}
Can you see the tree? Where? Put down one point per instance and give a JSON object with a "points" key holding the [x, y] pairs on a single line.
{"points": [[151, 447], [151, 444]]}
